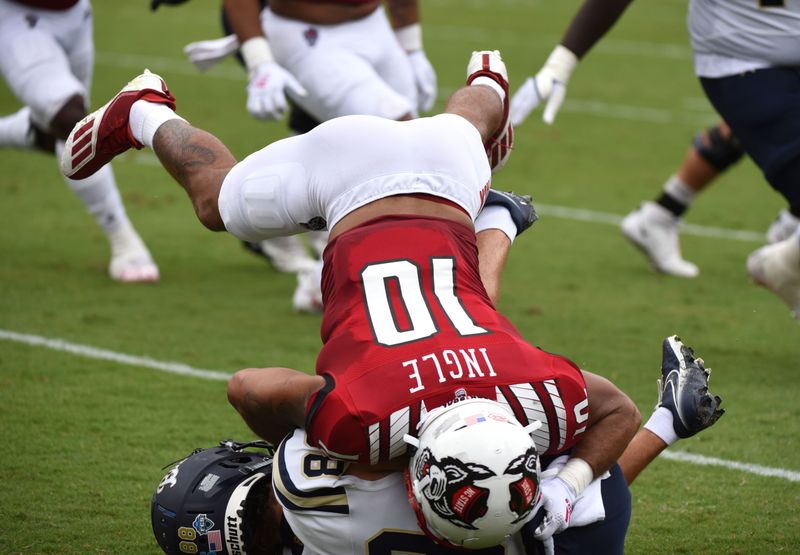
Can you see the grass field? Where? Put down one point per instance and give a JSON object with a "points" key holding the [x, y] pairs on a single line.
{"points": [[85, 438]]}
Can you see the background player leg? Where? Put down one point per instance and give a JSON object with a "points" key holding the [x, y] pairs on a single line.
{"points": [[777, 267], [47, 63], [653, 228]]}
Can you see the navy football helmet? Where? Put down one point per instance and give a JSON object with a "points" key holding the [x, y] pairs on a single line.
{"points": [[210, 501]]}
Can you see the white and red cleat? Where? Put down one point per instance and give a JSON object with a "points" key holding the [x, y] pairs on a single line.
{"points": [[131, 262], [104, 133], [134, 267], [489, 64]]}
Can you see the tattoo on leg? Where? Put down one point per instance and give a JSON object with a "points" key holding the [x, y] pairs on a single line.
{"points": [[181, 150]]}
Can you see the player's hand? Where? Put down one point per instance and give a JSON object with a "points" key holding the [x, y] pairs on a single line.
{"points": [[558, 499], [204, 54], [266, 92], [549, 85], [425, 76]]}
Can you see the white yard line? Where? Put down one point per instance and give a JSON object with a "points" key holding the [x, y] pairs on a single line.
{"points": [[683, 456], [102, 354], [593, 216], [184, 369]]}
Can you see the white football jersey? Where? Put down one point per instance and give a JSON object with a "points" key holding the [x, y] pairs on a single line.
{"points": [[734, 36], [334, 513]]}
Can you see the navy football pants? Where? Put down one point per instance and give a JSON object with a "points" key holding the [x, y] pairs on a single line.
{"points": [[763, 109]]}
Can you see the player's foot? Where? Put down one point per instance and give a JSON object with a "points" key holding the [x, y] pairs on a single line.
{"points": [[783, 227], [777, 267], [130, 260], [683, 389], [520, 207], [133, 267], [308, 294], [487, 64], [286, 254], [654, 230], [16, 129], [104, 133]]}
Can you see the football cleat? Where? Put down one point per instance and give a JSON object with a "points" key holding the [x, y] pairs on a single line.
{"points": [[489, 64], [287, 255], [133, 267], [520, 207], [782, 227], [776, 268], [104, 133], [654, 231], [683, 389], [131, 262]]}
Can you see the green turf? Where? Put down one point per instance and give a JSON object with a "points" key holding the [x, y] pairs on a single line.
{"points": [[85, 439]]}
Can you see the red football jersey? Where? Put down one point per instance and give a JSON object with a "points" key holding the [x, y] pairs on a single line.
{"points": [[409, 327]]}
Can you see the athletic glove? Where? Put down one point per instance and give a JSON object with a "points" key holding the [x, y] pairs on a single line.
{"points": [[266, 98], [557, 500], [269, 82], [205, 54], [549, 84], [410, 39]]}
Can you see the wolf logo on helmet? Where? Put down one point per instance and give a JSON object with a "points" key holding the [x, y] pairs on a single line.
{"points": [[449, 485], [524, 492], [473, 479]]}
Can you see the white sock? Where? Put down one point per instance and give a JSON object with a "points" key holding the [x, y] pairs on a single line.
{"points": [[660, 423], [145, 119], [100, 196], [679, 190], [496, 217], [489, 82], [125, 239]]}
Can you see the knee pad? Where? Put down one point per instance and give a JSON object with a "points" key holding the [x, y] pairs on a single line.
{"points": [[716, 149]]}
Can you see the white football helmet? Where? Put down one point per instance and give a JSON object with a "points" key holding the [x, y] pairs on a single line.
{"points": [[474, 477]]}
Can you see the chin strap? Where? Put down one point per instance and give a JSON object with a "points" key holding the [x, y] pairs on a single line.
{"points": [[242, 445]]}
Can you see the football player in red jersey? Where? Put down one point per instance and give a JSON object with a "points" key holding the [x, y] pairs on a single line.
{"points": [[408, 325], [328, 58], [47, 60]]}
